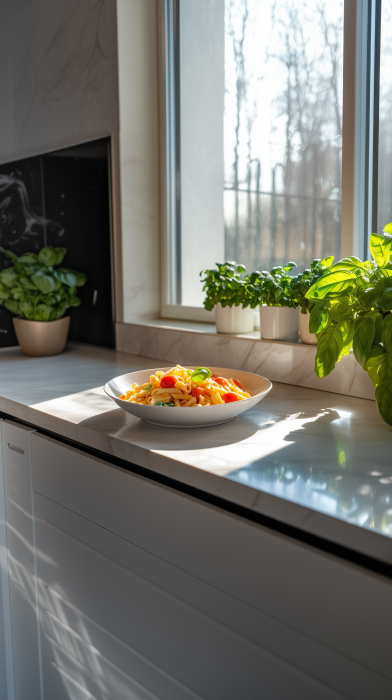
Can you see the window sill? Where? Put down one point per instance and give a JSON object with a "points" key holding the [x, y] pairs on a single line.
{"points": [[208, 328]]}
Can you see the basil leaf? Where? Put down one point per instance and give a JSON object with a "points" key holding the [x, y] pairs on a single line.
{"points": [[346, 330], [25, 282], [319, 318], [388, 228], [47, 256], [340, 310], [13, 306], [148, 387], [386, 337], [385, 302], [65, 277], [384, 400], [331, 284], [200, 374], [375, 353], [8, 277], [363, 339], [377, 369], [329, 347], [46, 312], [327, 262], [370, 296], [61, 309], [60, 253], [44, 282], [380, 248], [28, 259], [81, 278], [380, 326], [350, 263]]}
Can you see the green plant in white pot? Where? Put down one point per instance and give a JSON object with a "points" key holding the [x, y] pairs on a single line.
{"points": [[279, 318], [232, 297], [39, 295], [300, 285]]}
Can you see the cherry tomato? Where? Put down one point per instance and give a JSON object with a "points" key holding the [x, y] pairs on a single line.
{"points": [[230, 397], [197, 392], [220, 381], [168, 382], [214, 376], [238, 383]]}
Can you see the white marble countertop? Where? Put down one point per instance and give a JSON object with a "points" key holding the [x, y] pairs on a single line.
{"points": [[314, 460]]}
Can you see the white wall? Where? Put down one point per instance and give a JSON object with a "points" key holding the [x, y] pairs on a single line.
{"points": [[202, 103], [139, 160], [58, 74], [61, 65]]}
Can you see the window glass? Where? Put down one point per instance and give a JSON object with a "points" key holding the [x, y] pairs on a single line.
{"points": [[384, 209], [259, 100]]}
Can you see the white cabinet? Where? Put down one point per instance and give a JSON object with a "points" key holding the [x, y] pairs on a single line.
{"points": [[147, 593], [6, 667], [20, 559], [120, 588]]}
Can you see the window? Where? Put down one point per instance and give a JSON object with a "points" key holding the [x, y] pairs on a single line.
{"points": [[383, 193], [254, 110]]}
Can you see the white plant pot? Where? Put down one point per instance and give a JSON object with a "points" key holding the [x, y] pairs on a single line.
{"points": [[306, 337], [234, 319], [279, 323]]}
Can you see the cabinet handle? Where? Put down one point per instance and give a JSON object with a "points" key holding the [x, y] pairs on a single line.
{"points": [[16, 449]]}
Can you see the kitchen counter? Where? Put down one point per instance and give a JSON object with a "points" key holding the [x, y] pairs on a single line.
{"points": [[317, 461]]}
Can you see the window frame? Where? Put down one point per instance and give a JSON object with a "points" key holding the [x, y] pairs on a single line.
{"points": [[361, 67]]}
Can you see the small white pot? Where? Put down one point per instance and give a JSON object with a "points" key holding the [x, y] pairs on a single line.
{"points": [[279, 323], [306, 337], [234, 319]]}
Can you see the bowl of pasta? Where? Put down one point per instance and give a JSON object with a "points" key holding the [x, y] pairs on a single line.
{"points": [[187, 397]]}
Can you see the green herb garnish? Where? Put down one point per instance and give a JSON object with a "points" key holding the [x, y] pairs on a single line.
{"points": [[200, 374]]}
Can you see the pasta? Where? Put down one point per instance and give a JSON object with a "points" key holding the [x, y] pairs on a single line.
{"points": [[184, 388]]}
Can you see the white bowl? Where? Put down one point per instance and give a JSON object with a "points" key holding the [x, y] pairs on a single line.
{"points": [[190, 417]]}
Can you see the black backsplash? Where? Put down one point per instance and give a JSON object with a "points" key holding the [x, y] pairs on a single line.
{"points": [[62, 199]]}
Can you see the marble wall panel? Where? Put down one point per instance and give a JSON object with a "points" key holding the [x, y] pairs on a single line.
{"points": [[139, 156], [279, 362], [58, 74]]}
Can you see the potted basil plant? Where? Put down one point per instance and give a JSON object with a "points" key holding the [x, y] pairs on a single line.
{"points": [[279, 317], [232, 297], [353, 308], [39, 295], [300, 285]]}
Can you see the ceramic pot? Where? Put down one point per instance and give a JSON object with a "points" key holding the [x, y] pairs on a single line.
{"points": [[234, 319], [279, 323], [41, 338], [306, 337]]}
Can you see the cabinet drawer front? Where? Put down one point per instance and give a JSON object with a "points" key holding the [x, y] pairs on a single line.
{"points": [[21, 561], [314, 593], [105, 606]]}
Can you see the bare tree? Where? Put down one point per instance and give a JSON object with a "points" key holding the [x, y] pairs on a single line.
{"points": [[308, 108], [238, 41]]}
